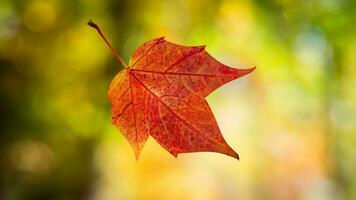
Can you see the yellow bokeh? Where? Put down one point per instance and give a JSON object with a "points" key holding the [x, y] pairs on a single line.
{"points": [[40, 15], [292, 120]]}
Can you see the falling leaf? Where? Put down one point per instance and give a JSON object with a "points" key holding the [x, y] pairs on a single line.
{"points": [[161, 93]]}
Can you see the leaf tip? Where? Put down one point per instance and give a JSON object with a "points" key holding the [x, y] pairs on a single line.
{"points": [[161, 39], [249, 70], [174, 154], [237, 157], [253, 68], [243, 72], [137, 156], [234, 155]]}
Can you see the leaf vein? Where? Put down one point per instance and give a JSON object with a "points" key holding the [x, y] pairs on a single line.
{"points": [[176, 115]]}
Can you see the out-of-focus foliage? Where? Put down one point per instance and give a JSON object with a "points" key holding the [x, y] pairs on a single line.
{"points": [[293, 119]]}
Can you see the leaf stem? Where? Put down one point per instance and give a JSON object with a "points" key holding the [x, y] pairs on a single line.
{"points": [[94, 25]]}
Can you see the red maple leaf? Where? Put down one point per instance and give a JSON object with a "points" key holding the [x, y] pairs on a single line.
{"points": [[162, 93]]}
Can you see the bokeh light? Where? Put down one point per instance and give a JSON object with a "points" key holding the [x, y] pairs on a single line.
{"points": [[292, 120]]}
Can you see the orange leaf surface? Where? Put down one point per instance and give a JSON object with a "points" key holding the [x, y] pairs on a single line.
{"points": [[161, 93]]}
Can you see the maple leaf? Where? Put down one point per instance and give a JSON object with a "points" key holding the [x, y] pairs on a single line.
{"points": [[161, 93]]}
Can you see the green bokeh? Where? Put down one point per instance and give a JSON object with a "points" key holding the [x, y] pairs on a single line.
{"points": [[293, 120]]}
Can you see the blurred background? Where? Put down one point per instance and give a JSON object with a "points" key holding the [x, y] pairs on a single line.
{"points": [[293, 120]]}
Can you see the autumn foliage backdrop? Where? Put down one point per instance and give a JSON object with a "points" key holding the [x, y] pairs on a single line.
{"points": [[293, 121]]}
